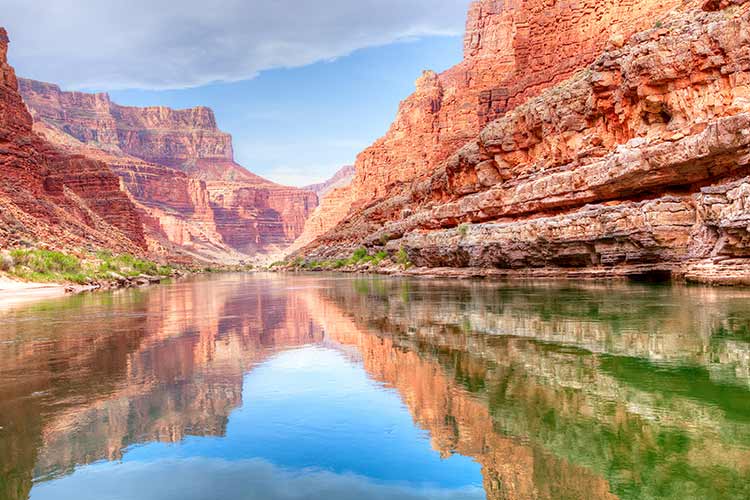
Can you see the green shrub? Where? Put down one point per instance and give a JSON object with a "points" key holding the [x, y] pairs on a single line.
{"points": [[46, 265], [359, 254], [402, 258], [380, 257], [165, 270], [125, 265]]}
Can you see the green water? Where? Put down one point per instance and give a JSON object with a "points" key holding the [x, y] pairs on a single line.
{"points": [[333, 386]]}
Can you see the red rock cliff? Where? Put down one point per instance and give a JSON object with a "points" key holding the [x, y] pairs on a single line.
{"points": [[634, 165], [513, 49], [64, 201], [179, 167]]}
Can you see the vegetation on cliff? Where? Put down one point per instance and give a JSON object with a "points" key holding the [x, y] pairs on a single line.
{"points": [[360, 260]]}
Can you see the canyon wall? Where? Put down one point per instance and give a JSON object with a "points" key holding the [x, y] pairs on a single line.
{"points": [[179, 169], [65, 201], [513, 49], [343, 177], [634, 165], [336, 198]]}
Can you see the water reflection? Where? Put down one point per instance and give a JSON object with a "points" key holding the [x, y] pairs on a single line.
{"points": [[282, 387]]}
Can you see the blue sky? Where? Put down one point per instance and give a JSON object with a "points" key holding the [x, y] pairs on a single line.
{"points": [[298, 126], [306, 84]]}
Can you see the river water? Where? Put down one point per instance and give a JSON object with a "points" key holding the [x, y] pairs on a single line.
{"points": [[240, 386]]}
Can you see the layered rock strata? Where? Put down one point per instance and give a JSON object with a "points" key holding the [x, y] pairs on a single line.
{"points": [[636, 163], [66, 201], [336, 198], [513, 50], [180, 170]]}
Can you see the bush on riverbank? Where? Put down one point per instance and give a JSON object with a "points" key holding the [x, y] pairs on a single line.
{"points": [[361, 258], [46, 266], [129, 266]]}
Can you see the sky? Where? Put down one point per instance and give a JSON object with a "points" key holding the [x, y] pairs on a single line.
{"points": [[302, 85]]}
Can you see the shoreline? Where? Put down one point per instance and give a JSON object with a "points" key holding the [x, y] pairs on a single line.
{"points": [[15, 292], [703, 273]]}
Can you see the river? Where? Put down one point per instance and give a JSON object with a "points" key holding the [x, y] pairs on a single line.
{"points": [[315, 386]]}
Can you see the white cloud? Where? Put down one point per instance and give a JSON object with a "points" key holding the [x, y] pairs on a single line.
{"points": [[160, 44]]}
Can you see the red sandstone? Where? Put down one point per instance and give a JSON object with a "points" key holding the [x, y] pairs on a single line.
{"points": [[64, 201], [178, 167]]}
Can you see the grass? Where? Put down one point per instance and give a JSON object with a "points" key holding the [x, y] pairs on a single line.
{"points": [[46, 266], [360, 256], [50, 266], [128, 266], [380, 257], [402, 258]]}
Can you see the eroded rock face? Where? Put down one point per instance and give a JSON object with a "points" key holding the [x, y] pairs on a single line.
{"points": [[640, 159], [180, 170], [513, 50], [334, 207], [65, 201], [341, 178], [336, 198]]}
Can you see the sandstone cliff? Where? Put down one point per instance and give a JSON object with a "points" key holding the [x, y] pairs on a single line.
{"points": [[343, 177], [179, 168], [336, 198], [513, 49], [63, 200], [635, 164]]}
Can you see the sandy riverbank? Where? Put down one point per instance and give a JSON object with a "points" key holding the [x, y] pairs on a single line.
{"points": [[14, 292]]}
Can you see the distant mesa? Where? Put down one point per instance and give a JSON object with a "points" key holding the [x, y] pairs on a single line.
{"points": [[179, 170]]}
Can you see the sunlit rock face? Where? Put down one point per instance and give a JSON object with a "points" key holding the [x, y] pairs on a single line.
{"points": [[333, 208], [335, 201], [65, 200], [635, 163], [512, 51], [343, 177], [179, 168]]}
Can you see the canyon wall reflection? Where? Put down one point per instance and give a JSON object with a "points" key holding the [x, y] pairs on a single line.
{"points": [[144, 365], [569, 391], [557, 390]]}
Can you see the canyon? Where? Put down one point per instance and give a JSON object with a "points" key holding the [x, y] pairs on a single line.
{"points": [[178, 169], [47, 194], [575, 139]]}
